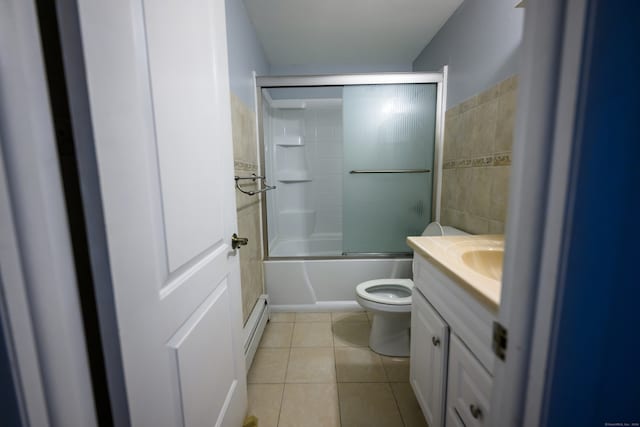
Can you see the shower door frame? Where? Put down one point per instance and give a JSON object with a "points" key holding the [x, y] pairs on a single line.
{"points": [[438, 78]]}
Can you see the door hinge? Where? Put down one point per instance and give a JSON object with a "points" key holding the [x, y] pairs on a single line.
{"points": [[499, 343]]}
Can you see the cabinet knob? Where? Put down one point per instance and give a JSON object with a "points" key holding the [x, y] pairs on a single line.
{"points": [[476, 412], [435, 340]]}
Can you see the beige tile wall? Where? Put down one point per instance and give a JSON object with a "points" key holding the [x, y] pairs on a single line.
{"points": [[245, 156], [477, 160]]}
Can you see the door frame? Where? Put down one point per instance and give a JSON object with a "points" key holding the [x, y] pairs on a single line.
{"points": [[539, 199], [39, 292], [88, 177]]}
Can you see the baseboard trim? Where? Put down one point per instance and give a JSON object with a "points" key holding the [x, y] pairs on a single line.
{"points": [[254, 328], [319, 306]]}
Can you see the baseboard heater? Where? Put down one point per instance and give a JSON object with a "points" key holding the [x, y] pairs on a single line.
{"points": [[254, 328]]}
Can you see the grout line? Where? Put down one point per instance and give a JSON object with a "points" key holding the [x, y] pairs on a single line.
{"points": [[312, 382], [384, 369], [333, 341], [281, 402], [284, 381], [286, 371], [395, 399], [335, 369]]}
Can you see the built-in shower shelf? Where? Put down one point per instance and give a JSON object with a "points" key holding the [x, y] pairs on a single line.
{"points": [[294, 176], [289, 141], [289, 104]]}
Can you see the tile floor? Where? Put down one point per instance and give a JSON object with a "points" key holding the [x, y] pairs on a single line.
{"points": [[315, 369]]}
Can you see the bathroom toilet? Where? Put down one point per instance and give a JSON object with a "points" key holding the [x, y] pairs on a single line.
{"points": [[390, 302]]}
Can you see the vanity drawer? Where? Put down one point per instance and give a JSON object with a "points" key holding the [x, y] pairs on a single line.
{"points": [[468, 388]]}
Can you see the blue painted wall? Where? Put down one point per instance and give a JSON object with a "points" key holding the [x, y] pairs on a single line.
{"points": [[322, 92], [479, 43], [299, 70], [594, 369], [245, 52]]}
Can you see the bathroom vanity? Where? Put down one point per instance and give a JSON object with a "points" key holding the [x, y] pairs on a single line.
{"points": [[455, 302]]}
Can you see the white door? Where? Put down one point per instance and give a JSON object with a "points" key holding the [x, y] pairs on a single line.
{"points": [[159, 98]]}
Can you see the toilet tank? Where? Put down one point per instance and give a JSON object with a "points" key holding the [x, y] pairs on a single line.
{"points": [[435, 229]]}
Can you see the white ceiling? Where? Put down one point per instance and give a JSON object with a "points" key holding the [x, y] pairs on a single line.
{"points": [[346, 32]]}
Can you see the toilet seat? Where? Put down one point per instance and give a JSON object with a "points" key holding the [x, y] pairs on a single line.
{"points": [[390, 302], [386, 291]]}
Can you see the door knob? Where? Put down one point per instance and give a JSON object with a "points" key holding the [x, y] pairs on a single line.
{"points": [[435, 341], [236, 241], [476, 412]]}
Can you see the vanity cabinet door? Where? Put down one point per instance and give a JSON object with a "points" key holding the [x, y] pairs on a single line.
{"points": [[429, 347], [453, 419], [469, 388]]}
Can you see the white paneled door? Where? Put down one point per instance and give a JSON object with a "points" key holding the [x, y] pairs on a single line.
{"points": [[159, 97]]}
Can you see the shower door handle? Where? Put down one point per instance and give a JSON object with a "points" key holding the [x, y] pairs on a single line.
{"points": [[236, 241]]}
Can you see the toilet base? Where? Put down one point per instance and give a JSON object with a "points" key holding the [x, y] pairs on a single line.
{"points": [[390, 334]]}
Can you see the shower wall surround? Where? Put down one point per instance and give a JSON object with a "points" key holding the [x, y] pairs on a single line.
{"points": [[245, 156], [303, 150], [323, 122], [477, 160]]}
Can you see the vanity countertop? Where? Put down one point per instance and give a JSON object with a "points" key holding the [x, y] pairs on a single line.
{"points": [[474, 262]]}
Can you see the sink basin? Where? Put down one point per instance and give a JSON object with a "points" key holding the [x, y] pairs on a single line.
{"points": [[472, 261], [487, 262]]}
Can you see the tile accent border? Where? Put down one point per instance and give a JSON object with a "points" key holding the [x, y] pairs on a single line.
{"points": [[244, 166], [496, 159]]}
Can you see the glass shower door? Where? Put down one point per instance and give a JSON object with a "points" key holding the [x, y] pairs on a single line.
{"points": [[389, 138]]}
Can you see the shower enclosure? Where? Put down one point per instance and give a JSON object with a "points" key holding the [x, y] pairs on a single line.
{"points": [[354, 159]]}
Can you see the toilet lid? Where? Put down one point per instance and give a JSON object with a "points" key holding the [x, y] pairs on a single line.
{"points": [[386, 291]]}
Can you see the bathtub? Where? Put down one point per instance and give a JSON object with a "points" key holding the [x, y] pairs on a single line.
{"points": [[325, 285], [325, 245]]}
